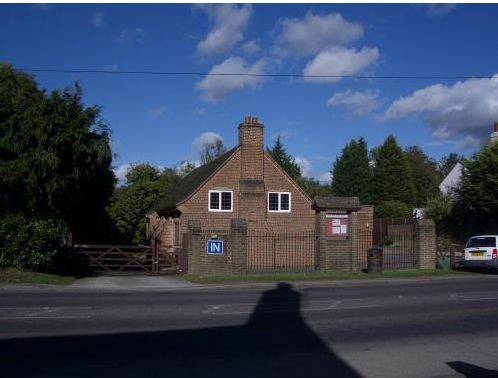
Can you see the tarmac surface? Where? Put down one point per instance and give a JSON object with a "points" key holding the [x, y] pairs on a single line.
{"points": [[410, 328]]}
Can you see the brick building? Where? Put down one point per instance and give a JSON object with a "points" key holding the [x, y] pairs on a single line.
{"points": [[266, 221], [245, 182]]}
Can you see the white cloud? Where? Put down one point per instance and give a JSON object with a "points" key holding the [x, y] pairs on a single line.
{"points": [[120, 173], [206, 138], [158, 112], [304, 165], [98, 19], [337, 61], [439, 9], [312, 33], [229, 22], [215, 88], [251, 47], [285, 134], [131, 35], [324, 178], [358, 104], [466, 108]]}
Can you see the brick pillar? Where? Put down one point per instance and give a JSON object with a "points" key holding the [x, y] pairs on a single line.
{"points": [[353, 235], [425, 244], [193, 245], [238, 243]]}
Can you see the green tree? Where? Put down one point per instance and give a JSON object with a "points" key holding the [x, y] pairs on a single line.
{"points": [[478, 196], [424, 174], [393, 209], [55, 156], [145, 185], [212, 150], [312, 187], [391, 174], [284, 159], [439, 209], [448, 162], [352, 173]]}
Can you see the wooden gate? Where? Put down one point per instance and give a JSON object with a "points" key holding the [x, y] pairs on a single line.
{"points": [[125, 258]]}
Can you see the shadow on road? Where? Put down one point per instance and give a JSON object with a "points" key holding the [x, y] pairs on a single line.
{"points": [[469, 370], [275, 342]]}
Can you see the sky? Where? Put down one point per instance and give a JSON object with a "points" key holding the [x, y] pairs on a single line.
{"points": [[164, 119]]}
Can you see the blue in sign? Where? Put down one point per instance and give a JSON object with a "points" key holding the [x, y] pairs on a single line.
{"points": [[214, 247]]}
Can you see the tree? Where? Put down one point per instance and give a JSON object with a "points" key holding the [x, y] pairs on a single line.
{"points": [[439, 209], [185, 168], [55, 155], [424, 174], [448, 162], [391, 174], [393, 209], [212, 150], [312, 187], [284, 159], [352, 173], [145, 185], [478, 195]]}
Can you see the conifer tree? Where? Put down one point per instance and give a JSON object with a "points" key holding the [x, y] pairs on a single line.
{"points": [[284, 159], [351, 173], [391, 174], [425, 175]]}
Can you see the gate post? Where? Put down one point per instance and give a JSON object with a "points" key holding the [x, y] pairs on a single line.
{"points": [[238, 236], [193, 245], [425, 244]]}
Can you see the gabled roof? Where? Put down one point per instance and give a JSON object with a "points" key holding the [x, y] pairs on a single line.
{"points": [[341, 203], [190, 183]]}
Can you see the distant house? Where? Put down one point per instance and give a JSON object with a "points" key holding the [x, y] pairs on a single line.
{"points": [[452, 181]]}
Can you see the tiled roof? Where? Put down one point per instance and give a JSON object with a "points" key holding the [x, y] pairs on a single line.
{"points": [[344, 203], [189, 184]]}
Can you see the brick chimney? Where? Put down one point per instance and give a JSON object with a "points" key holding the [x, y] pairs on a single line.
{"points": [[251, 142], [494, 134], [252, 187]]}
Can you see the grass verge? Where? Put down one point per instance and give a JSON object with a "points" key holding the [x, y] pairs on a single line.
{"points": [[12, 275], [316, 276]]}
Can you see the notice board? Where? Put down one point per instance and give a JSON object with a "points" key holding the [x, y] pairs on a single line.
{"points": [[337, 225]]}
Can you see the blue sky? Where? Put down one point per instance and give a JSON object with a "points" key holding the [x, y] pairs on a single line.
{"points": [[162, 120]]}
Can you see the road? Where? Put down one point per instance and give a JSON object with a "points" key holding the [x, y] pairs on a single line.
{"points": [[424, 328]]}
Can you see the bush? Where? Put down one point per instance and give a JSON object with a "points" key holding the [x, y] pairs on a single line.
{"points": [[393, 209], [438, 208], [29, 243]]}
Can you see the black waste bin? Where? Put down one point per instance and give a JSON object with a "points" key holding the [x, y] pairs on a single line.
{"points": [[374, 260]]}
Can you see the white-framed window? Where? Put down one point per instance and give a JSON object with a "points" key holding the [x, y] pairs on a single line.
{"points": [[279, 202], [220, 200]]}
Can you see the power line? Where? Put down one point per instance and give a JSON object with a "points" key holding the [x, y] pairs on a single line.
{"points": [[193, 73]]}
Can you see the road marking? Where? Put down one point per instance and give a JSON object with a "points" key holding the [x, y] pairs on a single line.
{"points": [[42, 312], [44, 317], [481, 299]]}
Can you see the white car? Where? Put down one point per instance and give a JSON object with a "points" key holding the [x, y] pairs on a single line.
{"points": [[481, 252]]}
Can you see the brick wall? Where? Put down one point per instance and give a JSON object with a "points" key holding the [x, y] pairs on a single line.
{"points": [[335, 252], [232, 261], [425, 244]]}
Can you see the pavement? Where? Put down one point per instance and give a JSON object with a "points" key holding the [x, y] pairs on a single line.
{"points": [[131, 282], [410, 328]]}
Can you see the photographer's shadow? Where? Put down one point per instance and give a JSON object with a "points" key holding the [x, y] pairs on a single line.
{"points": [[275, 342]]}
